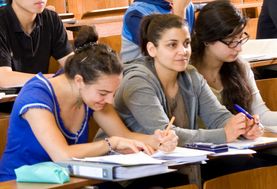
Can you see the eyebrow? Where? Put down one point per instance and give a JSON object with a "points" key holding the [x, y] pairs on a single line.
{"points": [[103, 90]]}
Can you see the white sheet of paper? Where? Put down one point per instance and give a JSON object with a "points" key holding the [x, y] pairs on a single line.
{"points": [[124, 159], [232, 151], [244, 144], [272, 129]]}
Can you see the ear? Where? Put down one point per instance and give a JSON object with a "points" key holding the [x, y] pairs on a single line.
{"points": [[79, 81], [151, 49]]}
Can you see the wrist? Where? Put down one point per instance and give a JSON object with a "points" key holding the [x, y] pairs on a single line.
{"points": [[109, 145]]}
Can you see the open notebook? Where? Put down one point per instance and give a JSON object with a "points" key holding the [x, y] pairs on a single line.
{"points": [[259, 49]]}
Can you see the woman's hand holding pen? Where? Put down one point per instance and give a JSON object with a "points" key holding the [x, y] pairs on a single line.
{"points": [[241, 125], [254, 129], [235, 127], [168, 138]]}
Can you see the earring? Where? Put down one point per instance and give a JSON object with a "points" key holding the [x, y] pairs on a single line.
{"points": [[206, 43]]}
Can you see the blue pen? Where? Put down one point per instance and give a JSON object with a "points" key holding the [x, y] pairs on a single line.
{"points": [[240, 109]]}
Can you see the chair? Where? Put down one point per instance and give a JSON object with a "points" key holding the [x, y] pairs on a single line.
{"points": [[268, 90], [93, 128], [259, 178], [188, 186], [4, 124]]}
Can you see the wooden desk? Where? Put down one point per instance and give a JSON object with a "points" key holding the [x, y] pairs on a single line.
{"points": [[261, 63], [73, 184], [109, 32], [7, 99], [193, 171], [109, 12], [269, 134], [104, 28]]}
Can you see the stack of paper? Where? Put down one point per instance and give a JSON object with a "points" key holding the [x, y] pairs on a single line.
{"points": [[114, 167], [183, 155]]}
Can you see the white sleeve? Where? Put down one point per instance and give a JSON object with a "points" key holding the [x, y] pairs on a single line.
{"points": [[267, 117]]}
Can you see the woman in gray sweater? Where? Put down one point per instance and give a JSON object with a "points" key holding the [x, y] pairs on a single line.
{"points": [[162, 84]]}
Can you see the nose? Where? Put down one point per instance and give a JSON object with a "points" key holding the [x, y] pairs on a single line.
{"points": [[238, 47], [109, 98], [182, 50]]}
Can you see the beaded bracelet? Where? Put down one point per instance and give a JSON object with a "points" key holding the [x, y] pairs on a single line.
{"points": [[109, 145]]}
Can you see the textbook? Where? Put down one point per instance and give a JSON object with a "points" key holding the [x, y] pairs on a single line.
{"points": [[259, 49]]}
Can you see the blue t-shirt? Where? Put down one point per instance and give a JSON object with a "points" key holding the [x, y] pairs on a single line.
{"points": [[22, 146]]}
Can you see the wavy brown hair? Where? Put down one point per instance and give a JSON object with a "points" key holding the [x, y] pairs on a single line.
{"points": [[216, 21]]}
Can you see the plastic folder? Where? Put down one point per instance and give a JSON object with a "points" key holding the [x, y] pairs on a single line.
{"points": [[113, 172], [217, 148]]}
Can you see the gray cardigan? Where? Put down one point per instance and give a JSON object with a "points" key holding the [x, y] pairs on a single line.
{"points": [[142, 105]]}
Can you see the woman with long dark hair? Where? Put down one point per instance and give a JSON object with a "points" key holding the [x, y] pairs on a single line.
{"points": [[218, 36]]}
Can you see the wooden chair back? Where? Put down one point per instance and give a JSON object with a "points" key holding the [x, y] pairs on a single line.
{"points": [[264, 177], [4, 124], [109, 13], [79, 7], [188, 186], [60, 5], [268, 90]]}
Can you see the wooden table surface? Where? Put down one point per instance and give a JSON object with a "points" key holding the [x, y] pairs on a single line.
{"points": [[261, 63], [104, 28], [73, 184]]}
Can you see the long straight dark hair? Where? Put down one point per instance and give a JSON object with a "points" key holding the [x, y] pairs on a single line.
{"points": [[216, 21]]}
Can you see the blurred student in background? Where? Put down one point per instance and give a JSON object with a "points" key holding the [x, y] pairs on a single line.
{"points": [[267, 23], [131, 22], [267, 28], [30, 35]]}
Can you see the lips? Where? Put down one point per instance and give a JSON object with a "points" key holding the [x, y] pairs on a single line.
{"points": [[40, 3]]}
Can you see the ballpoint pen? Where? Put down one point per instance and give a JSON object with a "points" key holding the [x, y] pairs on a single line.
{"points": [[240, 109], [249, 116]]}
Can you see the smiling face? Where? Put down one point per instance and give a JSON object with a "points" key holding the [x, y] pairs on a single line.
{"points": [[173, 49], [98, 94], [30, 6]]}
